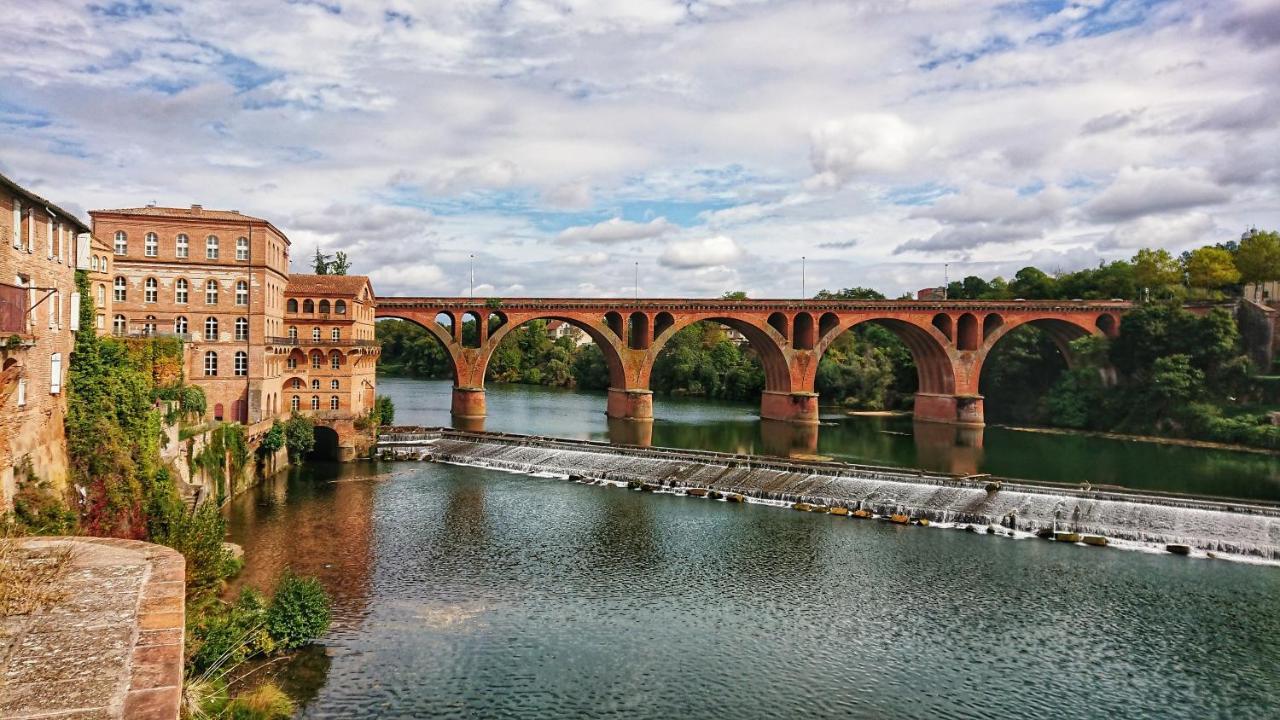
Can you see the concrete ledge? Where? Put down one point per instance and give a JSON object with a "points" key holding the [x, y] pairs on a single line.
{"points": [[111, 646]]}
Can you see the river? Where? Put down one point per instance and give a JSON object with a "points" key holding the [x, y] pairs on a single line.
{"points": [[464, 592]]}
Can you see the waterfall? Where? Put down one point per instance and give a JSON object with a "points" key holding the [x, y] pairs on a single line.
{"points": [[1240, 529]]}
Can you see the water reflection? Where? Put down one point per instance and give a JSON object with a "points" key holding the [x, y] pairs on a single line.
{"points": [[785, 439], [949, 448], [623, 431]]}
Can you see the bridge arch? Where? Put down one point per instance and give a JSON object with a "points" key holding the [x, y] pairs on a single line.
{"points": [[928, 346], [603, 338]]}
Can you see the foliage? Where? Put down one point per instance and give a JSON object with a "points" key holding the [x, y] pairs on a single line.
{"points": [[701, 360], [530, 355], [409, 349], [199, 537], [226, 449], [853, 293], [321, 264], [299, 612], [272, 440], [1211, 268], [265, 702], [1155, 269], [1258, 256], [1019, 373], [37, 508], [590, 371], [299, 436], [385, 410]]}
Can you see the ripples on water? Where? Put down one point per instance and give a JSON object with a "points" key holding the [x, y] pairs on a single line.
{"points": [[463, 592]]}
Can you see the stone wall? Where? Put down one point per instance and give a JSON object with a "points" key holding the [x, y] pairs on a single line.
{"points": [[1259, 332]]}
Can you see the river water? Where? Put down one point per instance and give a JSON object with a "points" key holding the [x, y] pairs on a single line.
{"points": [[464, 592]]}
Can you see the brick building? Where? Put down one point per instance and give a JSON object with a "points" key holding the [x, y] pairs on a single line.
{"points": [[41, 246], [214, 278]]}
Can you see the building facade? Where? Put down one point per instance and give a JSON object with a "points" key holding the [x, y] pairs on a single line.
{"points": [[215, 279], [41, 247]]}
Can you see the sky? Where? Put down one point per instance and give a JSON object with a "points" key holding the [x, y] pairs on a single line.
{"points": [[702, 146]]}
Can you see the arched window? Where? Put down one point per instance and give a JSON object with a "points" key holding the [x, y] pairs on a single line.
{"points": [[102, 294], [210, 363], [297, 383], [242, 248], [242, 363], [335, 334], [180, 325], [180, 291], [315, 402], [335, 360], [295, 403], [122, 243], [93, 263], [242, 292], [315, 384], [308, 306], [183, 246], [315, 333], [324, 306], [293, 305], [293, 333], [333, 384], [150, 245], [333, 403], [316, 359], [211, 328], [340, 307], [120, 291], [211, 292], [150, 289], [291, 363], [242, 328], [211, 247]]}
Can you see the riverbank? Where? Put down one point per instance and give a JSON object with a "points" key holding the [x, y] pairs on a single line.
{"points": [[1154, 439], [1143, 520]]}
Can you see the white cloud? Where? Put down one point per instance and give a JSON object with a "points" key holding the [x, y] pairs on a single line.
{"points": [[616, 230], [1141, 191], [700, 253], [591, 259], [861, 146]]}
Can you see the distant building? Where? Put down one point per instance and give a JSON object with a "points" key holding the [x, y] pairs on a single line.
{"points": [[41, 247], [933, 293], [558, 329]]}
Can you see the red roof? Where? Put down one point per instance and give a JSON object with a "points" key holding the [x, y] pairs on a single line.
{"points": [[347, 285]]}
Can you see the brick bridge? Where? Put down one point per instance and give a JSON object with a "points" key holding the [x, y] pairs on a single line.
{"points": [[949, 340]]}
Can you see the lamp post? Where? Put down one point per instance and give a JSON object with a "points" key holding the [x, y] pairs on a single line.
{"points": [[637, 264], [802, 294], [946, 279], [473, 276]]}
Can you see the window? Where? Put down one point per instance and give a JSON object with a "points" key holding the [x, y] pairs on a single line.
{"points": [[333, 403], [118, 325], [324, 306], [297, 383], [293, 333], [183, 247], [150, 290], [315, 360], [308, 306], [315, 334], [22, 392], [55, 373], [294, 403], [242, 292], [335, 360], [211, 292], [121, 289], [335, 334], [333, 384], [242, 364], [315, 384], [102, 295], [93, 263], [210, 364], [211, 247], [242, 248], [292, 305], [180, 292], [242, 328], [315, 402], [180, 325], [100, 322], [150, 245], [211, 328], [122, 243], [149, 326], [340, 307], [17, 223], [291, 363]]}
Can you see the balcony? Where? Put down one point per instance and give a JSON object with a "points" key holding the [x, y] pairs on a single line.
{"points": [[308, 342]]}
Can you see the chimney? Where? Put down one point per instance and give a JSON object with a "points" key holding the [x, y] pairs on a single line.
{"points": [[196, 209]]}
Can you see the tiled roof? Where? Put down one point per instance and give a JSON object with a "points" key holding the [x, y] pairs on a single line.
{"points": [[37, 200], [326, 285], [193, 212]]}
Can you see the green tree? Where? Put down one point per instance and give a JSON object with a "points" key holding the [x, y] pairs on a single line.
{"points": [[1258, 258], [1156, 269], [734, 295], [1211, 268], [1033, 284], [853, 293], [320, 263], [339, 265]]}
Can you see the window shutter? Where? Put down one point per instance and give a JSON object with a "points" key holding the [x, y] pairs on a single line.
{"points": [[55, 373], [50, 237], [17, 223], [75, 312], [83, 247], [22, 392]]}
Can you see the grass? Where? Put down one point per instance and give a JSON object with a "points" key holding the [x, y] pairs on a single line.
{"points": [[29, 579]]}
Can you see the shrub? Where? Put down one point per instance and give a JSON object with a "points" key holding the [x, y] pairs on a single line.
{"points": [[273, 440], [386, 410], [299, 611], [265, 702], [225, 636], [198, 536], [299, 436]]}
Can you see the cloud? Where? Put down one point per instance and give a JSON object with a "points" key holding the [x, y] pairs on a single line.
{"points": [[415, 279], [1172, 232], [700, 253], [616, 230], [985, 215], [867, 144], [838, 244], [592, 259], [1139, 191]]}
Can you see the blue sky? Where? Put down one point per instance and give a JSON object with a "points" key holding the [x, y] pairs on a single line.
{"points": [[714, 142]]}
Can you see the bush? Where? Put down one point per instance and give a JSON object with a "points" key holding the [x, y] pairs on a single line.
{"points": [[265, 702], [198, 536], [386, 411], [273, 440], [299, 611], [225, 636], [299, 436]]}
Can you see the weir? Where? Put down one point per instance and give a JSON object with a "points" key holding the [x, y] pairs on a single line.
{"points": [[1208, 525]]}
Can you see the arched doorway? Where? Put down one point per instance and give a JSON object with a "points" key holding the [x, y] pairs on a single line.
{"points": [[326, 448]]}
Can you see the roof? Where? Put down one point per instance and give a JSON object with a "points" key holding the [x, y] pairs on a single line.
{"points": [[195, 212], [37, 200], [349, 285]]}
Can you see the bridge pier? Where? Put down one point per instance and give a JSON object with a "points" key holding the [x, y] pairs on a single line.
{"points": [[953, 409], [468, 403], [795, 407], [630, 404]]}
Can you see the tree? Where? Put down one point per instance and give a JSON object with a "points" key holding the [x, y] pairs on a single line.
{"points": [[1258, 258], [853, 293], [734, 295], [339, 265], [1211, 268], [1033, 284], [1155, 269], [320, 263]]}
